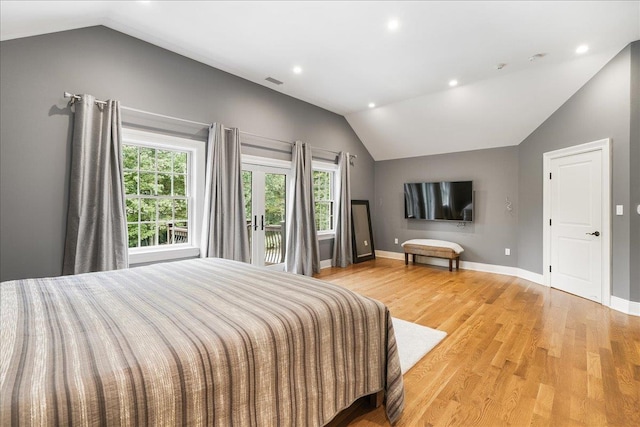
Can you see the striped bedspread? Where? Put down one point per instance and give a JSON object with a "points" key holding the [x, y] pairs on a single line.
{"points": [[197, 342]]}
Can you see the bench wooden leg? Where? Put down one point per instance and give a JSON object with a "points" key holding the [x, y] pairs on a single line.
{"points": [[458, 263], [406, 258], [414, 259], [450, 264]]}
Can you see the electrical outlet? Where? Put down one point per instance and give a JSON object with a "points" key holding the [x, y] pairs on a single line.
{"points": [[507, 251], [395, 241], [619, 209], [366, 243]]}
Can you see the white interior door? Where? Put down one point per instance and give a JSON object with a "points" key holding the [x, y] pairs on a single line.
{"points": [[576, 255]]}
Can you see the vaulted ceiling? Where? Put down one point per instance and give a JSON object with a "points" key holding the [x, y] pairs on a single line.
{"points": [[349, 57]]}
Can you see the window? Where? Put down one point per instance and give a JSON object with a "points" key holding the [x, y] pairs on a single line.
{"points": [[157, 195], [164, 182], [323, 194]]}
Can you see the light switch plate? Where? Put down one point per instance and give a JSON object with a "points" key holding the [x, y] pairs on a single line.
{"points": [[619, 210]]}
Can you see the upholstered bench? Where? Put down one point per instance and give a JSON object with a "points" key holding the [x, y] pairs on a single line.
{"points": [[432, 248]]}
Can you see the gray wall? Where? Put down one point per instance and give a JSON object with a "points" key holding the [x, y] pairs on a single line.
{"points": [[600, 109], [495, 177], [35, 140], [634, 159]]}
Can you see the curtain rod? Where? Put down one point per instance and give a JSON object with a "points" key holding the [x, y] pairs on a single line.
{"points": [[135, 110]]}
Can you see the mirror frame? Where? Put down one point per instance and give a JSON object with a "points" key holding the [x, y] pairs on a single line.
{"points": [[372, 255]]}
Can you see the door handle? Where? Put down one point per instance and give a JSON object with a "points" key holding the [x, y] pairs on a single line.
{"points": [[262, 222], [255, 223], [595, 233]]}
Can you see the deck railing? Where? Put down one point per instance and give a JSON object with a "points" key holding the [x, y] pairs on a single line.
{"points": [[274, 243], [177, 234], [274, 240]]}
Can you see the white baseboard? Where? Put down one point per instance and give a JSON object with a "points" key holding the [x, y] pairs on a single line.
{"points": [[325, 263], [625, 306], [468, 265], [618, 304], [391, 255], [531, 276]]}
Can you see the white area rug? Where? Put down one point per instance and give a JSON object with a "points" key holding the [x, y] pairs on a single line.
{"points": [[414, 341]]}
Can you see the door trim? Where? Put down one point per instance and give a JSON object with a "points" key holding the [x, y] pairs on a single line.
{"points": [[603, 145], [259, 167]]}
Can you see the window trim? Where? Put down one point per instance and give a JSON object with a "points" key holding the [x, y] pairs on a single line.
{"points": [[333, 169], [196, 185]]}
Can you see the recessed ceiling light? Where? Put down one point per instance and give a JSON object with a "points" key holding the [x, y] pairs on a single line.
{"points": [[372, 105], [453, 83], [297, 69], [144, 1], [583, 48], [393, 25]]}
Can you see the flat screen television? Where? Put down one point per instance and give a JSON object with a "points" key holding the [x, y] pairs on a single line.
{"points": [[439, 201]]}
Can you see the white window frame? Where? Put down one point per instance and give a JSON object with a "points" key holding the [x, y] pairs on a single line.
{"points": [[195, 176], [332, 168]]}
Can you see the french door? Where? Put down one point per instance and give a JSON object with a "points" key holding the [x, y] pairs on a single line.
{"points": [[265, 195]]}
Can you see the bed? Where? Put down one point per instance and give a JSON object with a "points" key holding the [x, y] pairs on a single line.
{"points": [[196, 342]]}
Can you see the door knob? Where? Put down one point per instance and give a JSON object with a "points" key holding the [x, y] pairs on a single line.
{"points": [[595, 233]]}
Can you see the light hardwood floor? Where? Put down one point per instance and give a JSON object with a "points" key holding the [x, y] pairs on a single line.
{"points": [[517, 353]]}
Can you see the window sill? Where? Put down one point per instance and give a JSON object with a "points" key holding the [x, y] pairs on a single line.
{"points": [[326, 235], [144, 255]]}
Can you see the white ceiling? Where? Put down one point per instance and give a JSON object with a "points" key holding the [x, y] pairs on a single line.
{"points": [[350, 58]]}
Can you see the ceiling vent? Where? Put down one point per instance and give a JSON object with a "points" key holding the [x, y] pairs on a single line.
{"points": [[537, 56], [274, 81]]}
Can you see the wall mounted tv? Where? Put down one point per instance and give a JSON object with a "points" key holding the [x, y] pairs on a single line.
{"points": [[439, 201]]}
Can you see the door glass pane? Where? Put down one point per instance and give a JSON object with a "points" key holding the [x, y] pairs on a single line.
{"points": [[246, 188], [274, 217]]}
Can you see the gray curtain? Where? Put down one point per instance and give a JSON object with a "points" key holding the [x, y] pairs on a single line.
{"points": [[302, 254], [224, 229], [342, 246], [96, 238]]}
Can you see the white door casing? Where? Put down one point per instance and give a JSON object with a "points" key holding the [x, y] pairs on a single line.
{"points": [[259, 168], [577, 229]]}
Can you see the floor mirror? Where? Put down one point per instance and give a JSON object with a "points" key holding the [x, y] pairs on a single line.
{"points": [[362, 235]]}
